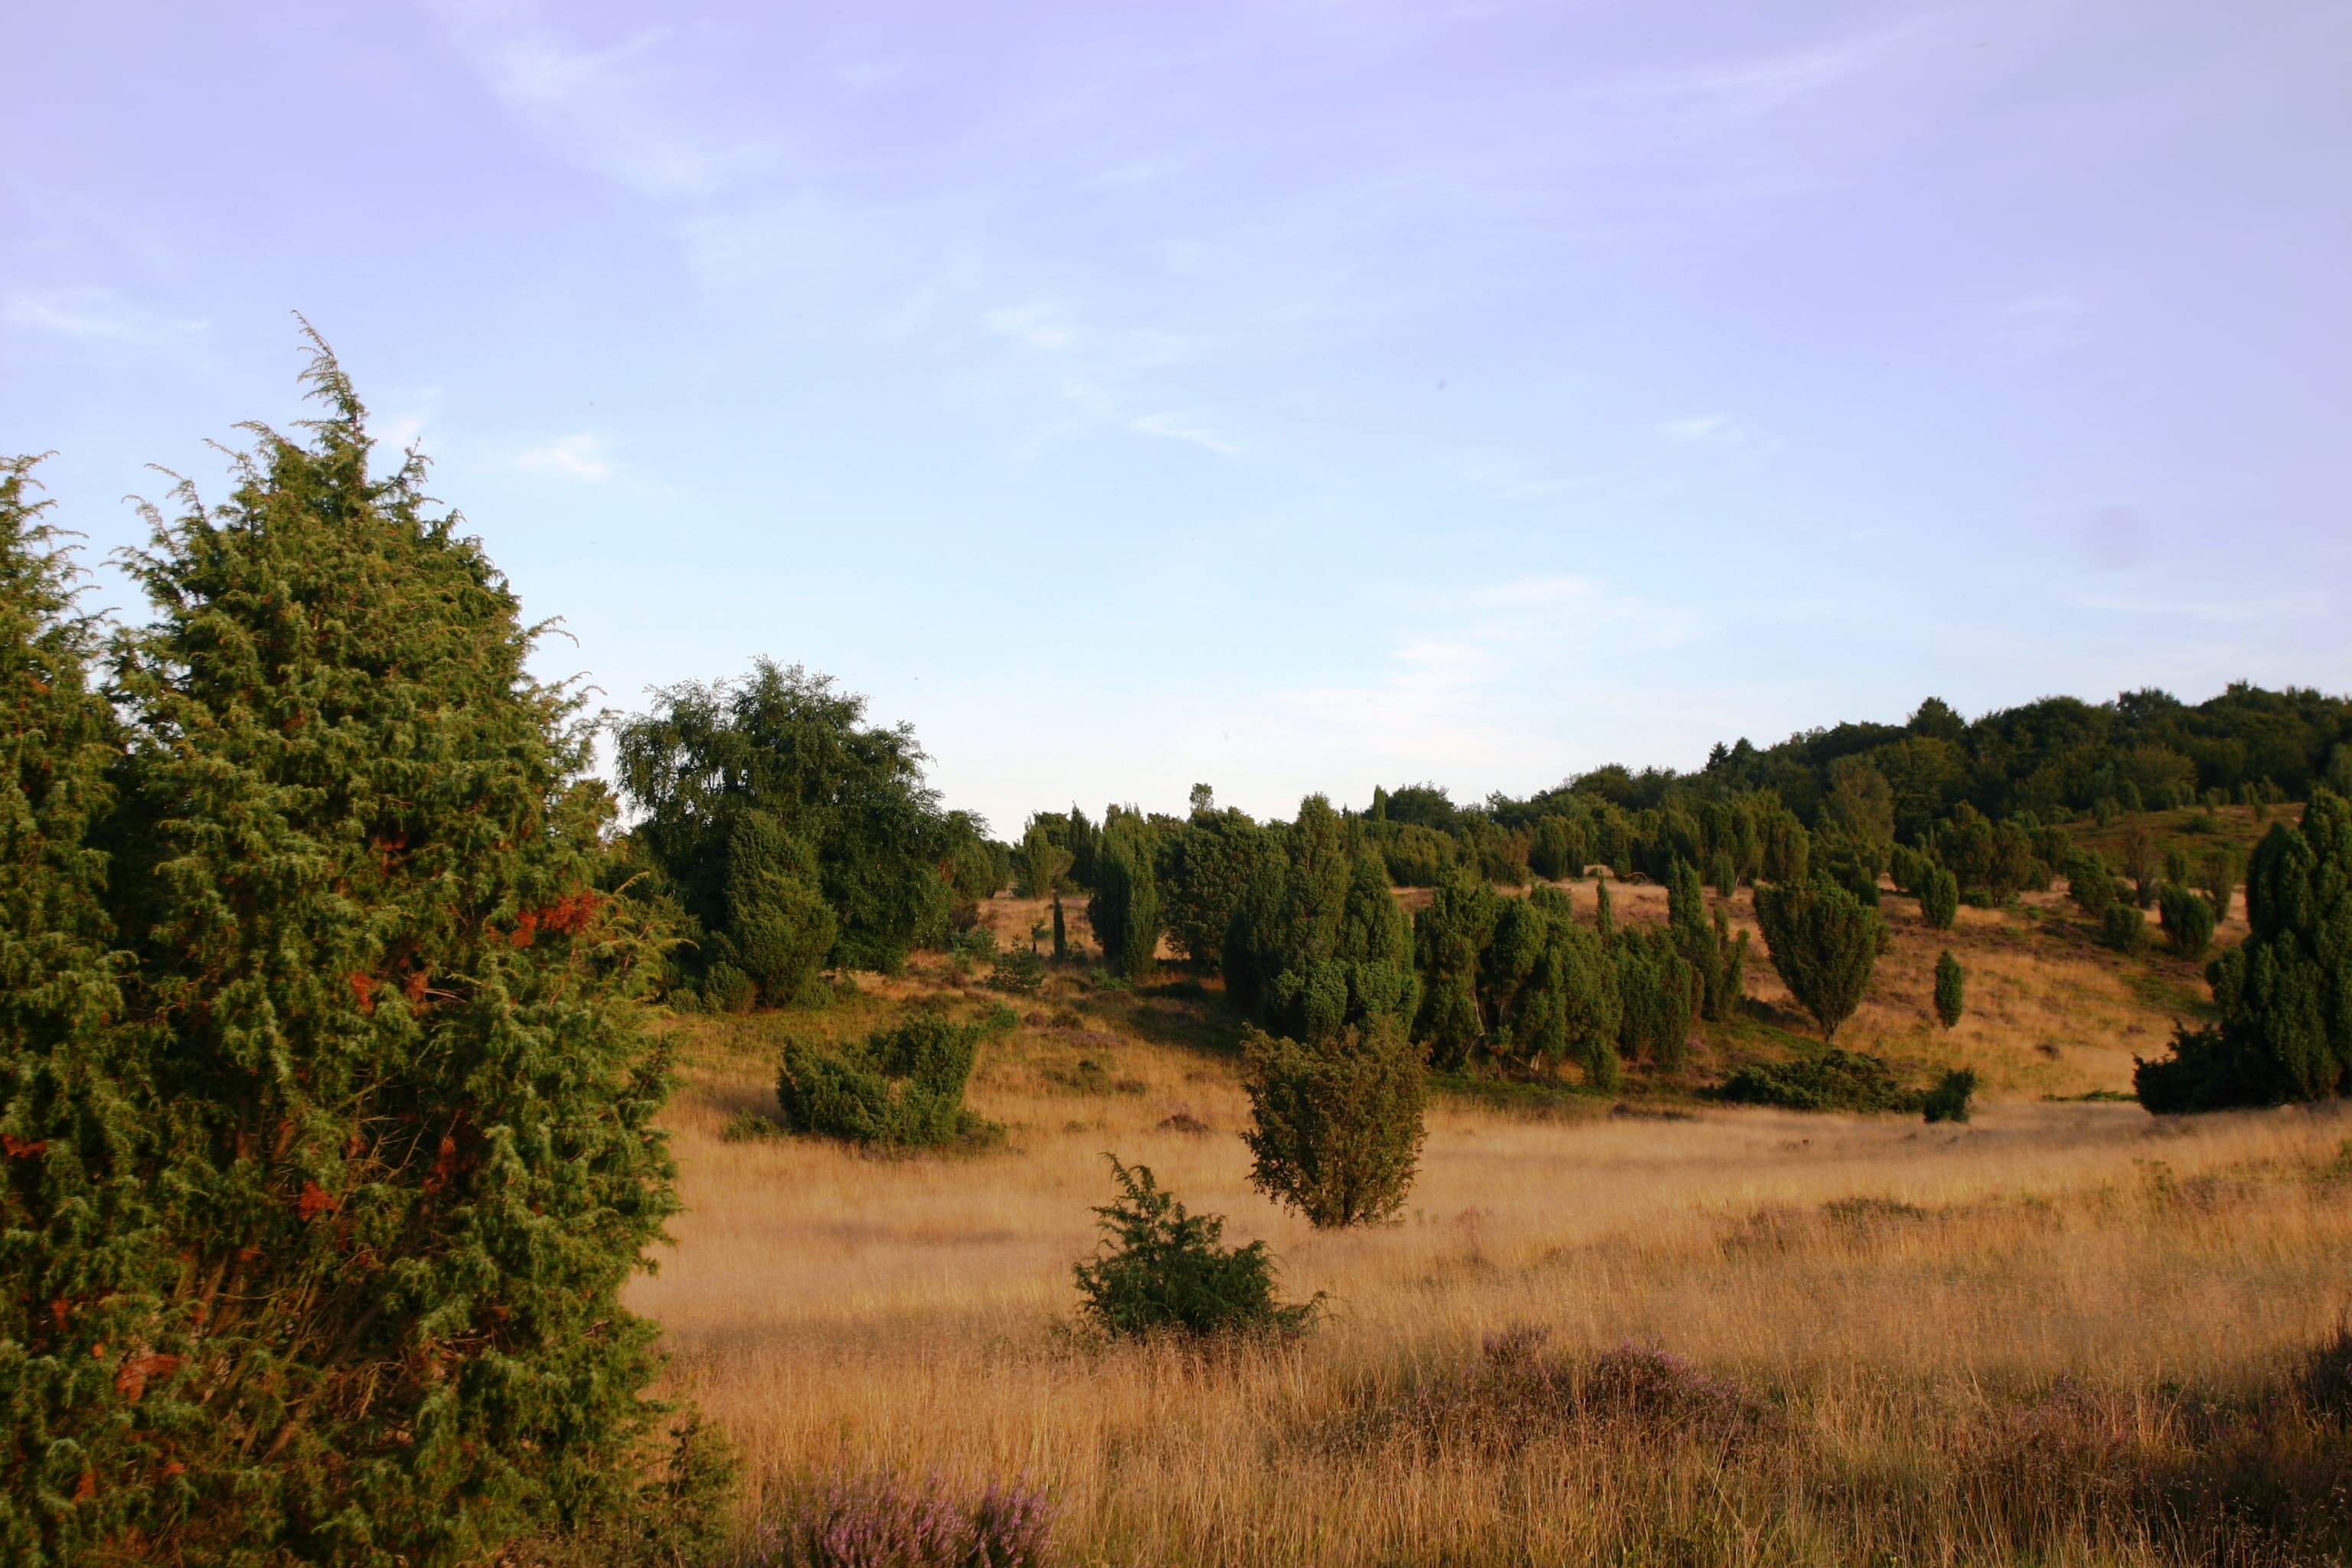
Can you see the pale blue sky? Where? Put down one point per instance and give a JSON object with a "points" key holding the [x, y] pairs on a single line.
{"points": [[1285, 396]]}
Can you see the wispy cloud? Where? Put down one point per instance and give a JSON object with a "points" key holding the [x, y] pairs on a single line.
{"points": [[93, 314], [1715, 430], [1459, 687], [580, 456], [611, 109], [1167, 427]]}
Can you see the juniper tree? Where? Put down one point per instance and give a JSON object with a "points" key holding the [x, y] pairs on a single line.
{"points": [[1336, 1124], [1658, 996], [2188, 920], [1450, 937], [2218, 878], [82, 1325], [1824, 942], [1951, 990], [1717, 958], [2285, 992], [2089, 883], [1604, 919], [403, 1129], [1125, 909], [1204, 871], [1316, 942], [1939, 897]]}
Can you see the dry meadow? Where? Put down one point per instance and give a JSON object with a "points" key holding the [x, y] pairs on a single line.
{"points": [[2063, 1332]]}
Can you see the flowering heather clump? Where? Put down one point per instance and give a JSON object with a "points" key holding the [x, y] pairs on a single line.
{"points": [[880, 1522], [1659, 1388]]}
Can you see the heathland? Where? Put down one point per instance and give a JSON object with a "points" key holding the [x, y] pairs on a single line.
{"points": [[2065, 1332], [417, 1148]]}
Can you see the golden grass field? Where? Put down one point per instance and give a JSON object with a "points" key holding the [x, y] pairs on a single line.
{"points": [[2057, 1334]]}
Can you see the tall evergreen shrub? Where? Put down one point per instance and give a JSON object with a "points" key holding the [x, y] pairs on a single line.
{"points": [[1125, 909], [401, 1132], [2285, 992], [86, 1272], [1824, 942], [1336, 1124]]}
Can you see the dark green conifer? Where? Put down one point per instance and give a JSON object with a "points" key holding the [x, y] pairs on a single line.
{"points": [[1951, 990], [2188, 920], [2285, 992], [83, 1327], [1939, 897], [1125, 909], [1824, 942], [1336, 1124], [1450, 937], [402, 1134]]}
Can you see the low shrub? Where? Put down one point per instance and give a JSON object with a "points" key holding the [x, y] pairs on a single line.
{"points": [[2124, 928], [1161, 1270], [726, 989], [2188, 920], [903, 1086], [882, 1521], [1948, 1100], [1830, 1079], [1019, 970], [2090, 884]]}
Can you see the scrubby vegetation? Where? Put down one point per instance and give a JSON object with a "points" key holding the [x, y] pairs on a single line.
{"points": [[1336, 1123], [338, 1006], [902, 1086], [1162, 1270]]}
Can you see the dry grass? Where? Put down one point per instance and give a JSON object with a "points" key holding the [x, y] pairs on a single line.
{"points": [[2024, 1343]]}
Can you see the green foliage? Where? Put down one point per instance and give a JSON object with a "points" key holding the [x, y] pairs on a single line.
{"points": [[2090, 884], [2188, 920], [1318, 943], [1204, 871], [1415, 856], [1336, 1124], [2176, 869], [2218, 873], [1994, 860], [847, 819], [777, 927], [1948, 1100], [1859, 812], [1951, 990], [77, 1224], [1450, 936], [1939, 899], [1019, 970], [2285, 992], [397, 1120], [1061, 929], [1658, 996], [901, 1087], [1717, 958], [2124, 927], [1160, 1269], [1041, 865], [1824, 942], [1125, 909], [1557, 848], [1828, 1079]]}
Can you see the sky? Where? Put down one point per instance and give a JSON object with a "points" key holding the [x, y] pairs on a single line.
{"points": [[1285, 395]]}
